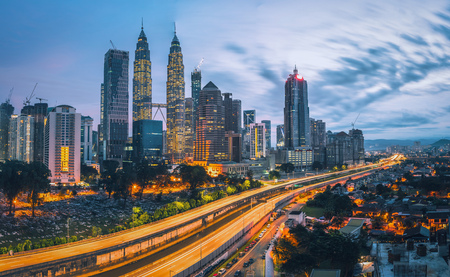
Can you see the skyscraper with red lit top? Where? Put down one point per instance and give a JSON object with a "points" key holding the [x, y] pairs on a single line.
{"points": [[296, 112]]}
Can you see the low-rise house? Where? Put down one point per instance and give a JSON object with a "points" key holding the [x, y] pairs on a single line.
{"points": [[367, 209], [438, 220], [353, 227], [418, 233]]}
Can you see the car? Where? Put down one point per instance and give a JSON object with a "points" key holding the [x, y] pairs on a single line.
{"points": [[238, 273], [251, 260], [268, 225], [263, 257], [235, 260], [222, 271], [229, 265], [246, 264], [241, 254]]}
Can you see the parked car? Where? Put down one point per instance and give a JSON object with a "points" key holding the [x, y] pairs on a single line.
{"points": [[263, 257], [235, 260], [229, 265], [222, 271], [241, 254]]}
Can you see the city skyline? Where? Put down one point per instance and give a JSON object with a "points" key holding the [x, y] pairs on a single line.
{"points": [[384, 60]]}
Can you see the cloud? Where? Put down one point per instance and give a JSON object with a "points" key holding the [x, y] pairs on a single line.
{"points": [[414, 39], [235, 49]]}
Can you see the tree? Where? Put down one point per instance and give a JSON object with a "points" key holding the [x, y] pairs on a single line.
{"points": [[287, 167], [274, 174], [144, 175], [317, 165], [126, 178], [250, 174], [196, 175], [88, 174], [37, 182], [109, 176], [13, 177]]}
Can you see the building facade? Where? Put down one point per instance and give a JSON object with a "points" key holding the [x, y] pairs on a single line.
{"points": [[345, 149], [147, 140], [189, 129], [268, 133], [234, 146], [257, 140], [21, 138], [86, 140], [296, 112], [6, 110], [196, 87], [114, 106], [210, 143], [237, 116], [318, 140], [280, 136], [62, 145], [175, 103], [142, 80]]}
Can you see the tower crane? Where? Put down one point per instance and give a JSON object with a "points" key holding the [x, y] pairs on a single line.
{"points": [[40, 99], [9, 96], [28, 99], [200, 64], [113, 46], [353, 123]]}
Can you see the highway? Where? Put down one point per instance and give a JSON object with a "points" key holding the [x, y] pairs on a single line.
{"points": [[92, 245]]}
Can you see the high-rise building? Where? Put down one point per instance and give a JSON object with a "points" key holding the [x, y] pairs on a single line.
{"points": [[249, 118], [21, 138], [257, 140], [318, 140], [234, 146], [296, 112], [228, 104], [268, 133], [114, 106], [86, 140], [6, 110], [344, 149], [280, 136], [147, 139], [237, 117], [40, 113], [196, 87], [210, 143], [357, 146], [142, 80], [175, 102], [189, 129], [62, 144]]}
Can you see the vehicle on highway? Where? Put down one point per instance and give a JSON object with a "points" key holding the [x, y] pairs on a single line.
{"points": [[235, 260], [241, 254], [251, 260], [222, 271], [238, 273], [229, 265], [246, 264], [263, 257]]}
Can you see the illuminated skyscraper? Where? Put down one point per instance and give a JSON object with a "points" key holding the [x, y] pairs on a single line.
{"points": [[86, 141], [296, 112], [175, 102], [142, 80], [196, 87], [62, 144], [210, 142], [228, 104], [237, 116], [280, 136], [114, 106], [257, 140], [189, 131]]}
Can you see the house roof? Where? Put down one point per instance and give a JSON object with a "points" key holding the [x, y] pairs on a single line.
{"points": [[352, 225], [325, 273], [418, 231], [435, 215]]}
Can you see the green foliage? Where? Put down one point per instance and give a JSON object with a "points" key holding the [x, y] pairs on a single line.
{"points": [[196, 175], [332, 203], [96, 231], [274, 174], [73, 239], [287, 167], [88, 174], [3, 250], [231, 190]]}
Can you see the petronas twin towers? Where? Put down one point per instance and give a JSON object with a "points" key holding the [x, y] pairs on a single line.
{"points": [[142, 93]]}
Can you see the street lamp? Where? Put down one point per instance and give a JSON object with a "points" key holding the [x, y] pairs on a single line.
{"points": [[68, 233]]}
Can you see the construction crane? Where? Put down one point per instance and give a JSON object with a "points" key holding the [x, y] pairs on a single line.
{"points": [[9, 96], [353, 123], [40, 99], [113, 46], [199, 64], [27, 101]]}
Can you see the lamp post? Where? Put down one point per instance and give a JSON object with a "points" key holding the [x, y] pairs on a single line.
{"points": [[68, 233]]}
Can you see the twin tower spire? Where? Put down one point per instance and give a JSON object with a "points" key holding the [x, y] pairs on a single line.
{"points": [[142, 92]]}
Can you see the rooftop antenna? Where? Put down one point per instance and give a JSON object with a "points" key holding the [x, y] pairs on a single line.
{"points": [[353, 123], [175, 28], [142, 24], [28, 99], [9, 96], [114, 47]]}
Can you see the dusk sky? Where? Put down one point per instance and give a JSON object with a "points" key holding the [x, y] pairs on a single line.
{"points": [[388, 60]]}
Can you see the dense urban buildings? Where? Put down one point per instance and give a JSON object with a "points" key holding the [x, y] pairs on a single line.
{"points": [[175, 103], [210, 143], [6, 110], [21, 138], [114, 106], [62, 145], [142, 80]]}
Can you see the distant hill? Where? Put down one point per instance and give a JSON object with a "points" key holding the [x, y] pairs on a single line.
{"points": [[441, 142], [381, 144]]}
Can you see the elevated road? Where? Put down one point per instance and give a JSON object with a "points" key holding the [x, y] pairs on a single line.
{"points": [[110, 241]]}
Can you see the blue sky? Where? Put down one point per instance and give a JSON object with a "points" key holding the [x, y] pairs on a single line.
{"points": [[388, 60]]}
